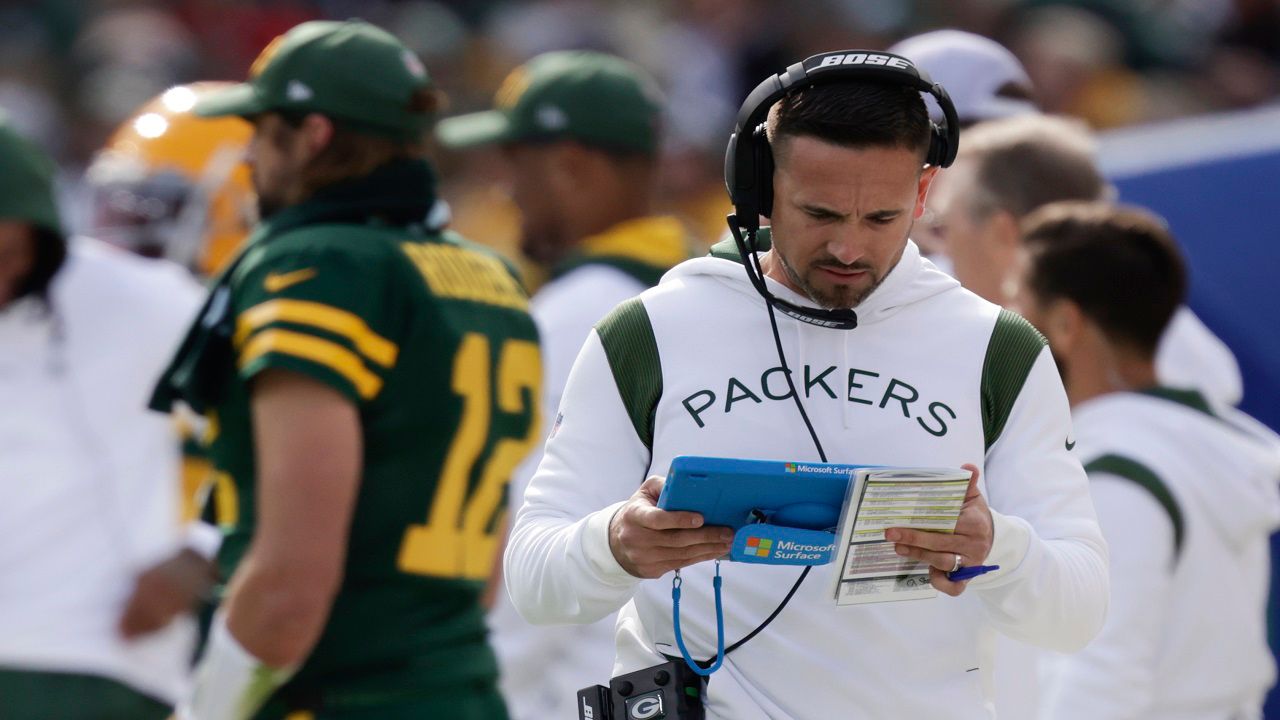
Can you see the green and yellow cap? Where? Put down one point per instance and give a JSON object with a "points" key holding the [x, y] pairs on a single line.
{"points": [[351, 71], [26, 181], [597, 99]]}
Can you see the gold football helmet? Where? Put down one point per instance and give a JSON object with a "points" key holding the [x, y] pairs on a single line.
{"points": [[172, 184]]}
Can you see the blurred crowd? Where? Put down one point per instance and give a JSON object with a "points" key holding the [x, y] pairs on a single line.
{"points": [[72, 70]]}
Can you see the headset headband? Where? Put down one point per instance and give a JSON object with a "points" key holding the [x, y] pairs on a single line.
{"points": [[747, 156]]}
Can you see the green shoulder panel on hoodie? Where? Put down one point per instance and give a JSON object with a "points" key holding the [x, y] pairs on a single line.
{"points": [[627, 336], [1145, 478], [1011, 353]]}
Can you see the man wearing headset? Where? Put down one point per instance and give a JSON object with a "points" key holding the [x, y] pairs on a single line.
{"points": [[891, 361]]}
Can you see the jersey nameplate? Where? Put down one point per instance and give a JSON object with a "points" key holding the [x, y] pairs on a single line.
{"points": [[461, 274]]}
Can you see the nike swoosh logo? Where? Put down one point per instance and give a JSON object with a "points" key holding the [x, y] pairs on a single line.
{"points": [[1071, 445], [275, 282]]}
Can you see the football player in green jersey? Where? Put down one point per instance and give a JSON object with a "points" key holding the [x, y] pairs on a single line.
{"points": [[371, 379]]}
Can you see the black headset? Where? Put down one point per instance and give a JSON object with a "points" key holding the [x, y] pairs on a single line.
{"points": [[748, 161]]}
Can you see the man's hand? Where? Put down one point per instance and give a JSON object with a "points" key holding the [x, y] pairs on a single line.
{"points": [[971, 540], [164, 591], [649, 542]]}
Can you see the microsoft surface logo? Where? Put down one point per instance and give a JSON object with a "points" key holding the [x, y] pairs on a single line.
{"points": [[759, 547], [791, 467]]}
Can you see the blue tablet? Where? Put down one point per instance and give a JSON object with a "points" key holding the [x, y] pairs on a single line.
{"points": [[781, 512]]}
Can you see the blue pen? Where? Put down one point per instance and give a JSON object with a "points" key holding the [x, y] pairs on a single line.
{"points": [[971, 572]]}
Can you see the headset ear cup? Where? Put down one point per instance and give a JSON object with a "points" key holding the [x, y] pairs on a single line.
{"points": [[731, 169], [938, 149], [764, 171]]}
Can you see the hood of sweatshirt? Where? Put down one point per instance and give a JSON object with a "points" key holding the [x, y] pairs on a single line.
{"points": [[912, 280], [1235, 458]]}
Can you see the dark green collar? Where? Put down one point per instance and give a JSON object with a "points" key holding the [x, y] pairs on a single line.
{"points": [[727, 249], [401, 192], [1187, 397]]}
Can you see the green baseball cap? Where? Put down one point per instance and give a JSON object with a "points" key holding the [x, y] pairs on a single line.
{"points": [[597, 99], [26, 181], [350, 71]]}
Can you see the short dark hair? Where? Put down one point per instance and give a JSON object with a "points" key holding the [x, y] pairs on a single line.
{"points": [[853, 114], [1119, 264]]}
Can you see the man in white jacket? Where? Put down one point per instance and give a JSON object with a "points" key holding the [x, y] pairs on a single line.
{"points": [[1187, 491], [931, 375], [89, 476]]}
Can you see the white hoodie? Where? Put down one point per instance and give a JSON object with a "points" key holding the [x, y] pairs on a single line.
{"points": [[904, 388], [1186, 635], [89, 477]]}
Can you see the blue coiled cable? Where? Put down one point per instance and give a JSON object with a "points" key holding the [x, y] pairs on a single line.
{"points": [[675, 622]]}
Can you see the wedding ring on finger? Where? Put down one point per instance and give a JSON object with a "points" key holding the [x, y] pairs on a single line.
{"points": [[957, 565]]}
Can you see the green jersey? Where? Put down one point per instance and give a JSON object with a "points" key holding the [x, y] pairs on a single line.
{"points": [[429, 338]]}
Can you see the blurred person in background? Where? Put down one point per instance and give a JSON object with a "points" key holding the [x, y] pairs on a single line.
{"points": [[171, 184], [1076, 57], [93, 578], [1008, 168], [372, 381], [1187, 492], [985, 80], [1009, 164], [580, 131]]}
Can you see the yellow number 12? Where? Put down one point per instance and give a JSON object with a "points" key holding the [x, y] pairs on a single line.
{"points": [[456, 541]]}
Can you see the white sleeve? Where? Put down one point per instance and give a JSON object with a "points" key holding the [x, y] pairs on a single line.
{"points": [[1112, 678], [558, 565], [1051, 590]]}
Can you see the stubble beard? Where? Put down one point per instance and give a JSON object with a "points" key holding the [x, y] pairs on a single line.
{"points": [[840, 297], [269, 200]]}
